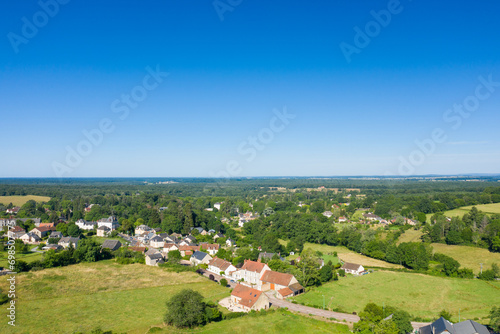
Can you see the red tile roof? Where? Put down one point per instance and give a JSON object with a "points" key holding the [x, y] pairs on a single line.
{"points": [[17, 229], [248, 296], [253, 266], [285, 292], [275, 277], [219, 263]]}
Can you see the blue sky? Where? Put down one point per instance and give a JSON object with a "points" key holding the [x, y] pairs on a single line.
{"points": [[227, 78]]}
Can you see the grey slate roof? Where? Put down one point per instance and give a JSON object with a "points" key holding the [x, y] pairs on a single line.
{"points": [[470, 327], [155, 256], [55, 234], [199, 255], [111, 244], [156, 239]]}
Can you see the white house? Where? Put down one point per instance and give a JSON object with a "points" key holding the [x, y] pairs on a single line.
{"points": [[251, 272], [156, 242], [247, 299], [154, 257], [211, 249], [200, 258], [103, 231], [66, 241], [217, 205], [327, 214], [230, 242], [85, 225], [353, 268], [141, 229], [111, 222], [217, 266], [30, 238]]}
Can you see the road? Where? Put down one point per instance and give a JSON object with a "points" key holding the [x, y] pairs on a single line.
{"points": [[323, 313]]}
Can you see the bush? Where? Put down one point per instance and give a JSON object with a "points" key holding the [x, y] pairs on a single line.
{"points": [[223, 282]]}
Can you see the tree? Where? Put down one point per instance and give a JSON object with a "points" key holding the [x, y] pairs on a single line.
{"points": [[223, 282], [186, 309], [73, 230], [445, 314], [495, 319], [174, 256], [402, 321], [308, 267], [326, 273]]}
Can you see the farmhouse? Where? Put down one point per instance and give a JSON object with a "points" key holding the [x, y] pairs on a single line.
{"points": [[251, 272], [111, 244], [353, 268], [153, 257], [273, 280], [212, 249], [16, 232], [217, 266], [443, 326], [56, 234], [30, 238], [42, 231], [249, 299], [156, 242], [66, 241], [103, 231]]}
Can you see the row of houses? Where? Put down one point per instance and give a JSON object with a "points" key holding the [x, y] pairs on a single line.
{"points": [[110, 223]]}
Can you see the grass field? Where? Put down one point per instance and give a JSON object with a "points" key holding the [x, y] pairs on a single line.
{"points": [[469, 257], [487, 208], [420, 295], [20, 200], [122, 298], [410, 235], [25, 257], [347, 255], [277, 322]]}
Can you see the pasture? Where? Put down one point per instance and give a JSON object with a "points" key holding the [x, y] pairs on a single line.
{"points": [[469, 257], [20, 200], [421, 295], [78, 298]]}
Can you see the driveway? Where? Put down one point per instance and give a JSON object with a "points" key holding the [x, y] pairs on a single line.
{"points": [[207, 274]]}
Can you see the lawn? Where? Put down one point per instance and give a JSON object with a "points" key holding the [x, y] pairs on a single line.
{"points": [[347, 255], [469, 257], [122, 298], [421, 295], [277, 322], [20, 200], [29, 257]]}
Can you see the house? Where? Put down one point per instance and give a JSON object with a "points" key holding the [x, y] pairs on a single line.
{"points": [[13, 210], [30, 238], [47, 225], [156, 242], [138, 249], [269, 256], [171, 239], [52, 246], [327, 214], [371, 217], [342, 219], [200, 258], [42, 231], [248, 299], [211, 231], [66, 241], [56, 234], [273, 280], [111, 244], [190, 239], [353, 268], [89, 208], [217, 266], [188, 250], [103, 231], [15, 232], [251, 272], [111, 222], [199, 229], [212, 249], [85, 225], [217, 205], [284, 293], [169, 247], [153, 257], [230, 242], [7, 222], [218, 235], [176, 235], [442, 326], [142, 229]]}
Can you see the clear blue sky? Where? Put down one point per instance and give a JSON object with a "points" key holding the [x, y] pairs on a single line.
{"points": [[227, 76]]}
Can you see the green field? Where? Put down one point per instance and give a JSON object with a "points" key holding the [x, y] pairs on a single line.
{"points": [[347, 255], [20, 200], [469, 257], [277, 322], [487, 208], [410, 235], [420, 295], [25, 257], [122, 298]]}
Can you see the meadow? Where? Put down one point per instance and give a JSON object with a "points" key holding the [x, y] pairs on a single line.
{"points": [[492, 208], [122, 298], [28, 257], [20, 200], [277, 322], [347, 255], [421, 295], [469, 257]]}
